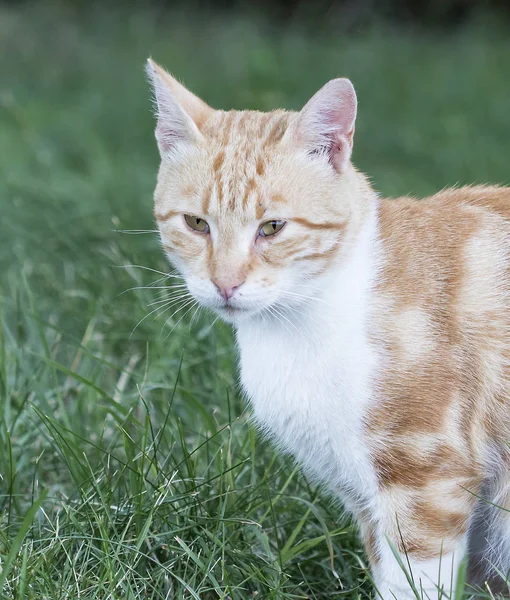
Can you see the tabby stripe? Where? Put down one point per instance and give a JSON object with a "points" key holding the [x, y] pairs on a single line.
{"points": [[206, 199], [277, 131], [241, 123], [267, 118], [250, 186], [166, 216], [319, 255], [314, 225], [219, 188], [218, 161], [260, 165], [278, 198], [227, 128]]}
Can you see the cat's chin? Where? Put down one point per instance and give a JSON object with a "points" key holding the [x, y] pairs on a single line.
{"points": [[233, 314]]}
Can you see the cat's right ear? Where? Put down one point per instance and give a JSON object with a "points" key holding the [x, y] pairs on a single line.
{"points": [[325, 125], [180, 113]]}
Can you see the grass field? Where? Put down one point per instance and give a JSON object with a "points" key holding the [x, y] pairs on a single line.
{"points": [[129, 468]]}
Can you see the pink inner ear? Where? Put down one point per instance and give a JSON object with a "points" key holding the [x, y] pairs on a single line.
{"points": [[168, 136], [173, 125], [327, 122], [340, 153], [340, 118]]}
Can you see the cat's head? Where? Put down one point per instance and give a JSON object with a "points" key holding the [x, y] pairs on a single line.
{"points": [[253, 207]]}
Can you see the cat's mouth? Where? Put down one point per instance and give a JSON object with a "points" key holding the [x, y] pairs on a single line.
{"points": [[229, 311], [232, 310]]}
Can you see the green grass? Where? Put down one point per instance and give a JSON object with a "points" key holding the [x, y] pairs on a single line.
{"points": [[129, 468]]}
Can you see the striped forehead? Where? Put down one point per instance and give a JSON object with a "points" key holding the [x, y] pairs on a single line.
{"points": [[241, 146]]}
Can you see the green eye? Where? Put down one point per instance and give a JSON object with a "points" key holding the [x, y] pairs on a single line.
{"points": [[270, 228], [196, 223]]}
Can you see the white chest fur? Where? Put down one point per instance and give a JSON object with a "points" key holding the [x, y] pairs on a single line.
{"points": [[310, 383]]}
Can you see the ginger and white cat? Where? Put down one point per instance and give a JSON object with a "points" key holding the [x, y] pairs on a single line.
{"points": [[374, 334]]}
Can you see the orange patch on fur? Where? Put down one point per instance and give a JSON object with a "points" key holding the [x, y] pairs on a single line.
{"points": [[441, 523], [165, 216], [206, 199], [260, 168], [227, 126], [218, 161], [402, 464], [452, 391], [314, 225], [279, 199], [277, 131], [250, 186], [189, 190]]}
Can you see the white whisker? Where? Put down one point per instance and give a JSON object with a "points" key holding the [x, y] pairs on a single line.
{"points": [[294, 309], [182, 306], [145, 317], [276, 315], [171, 274], [168, 300], [135, 231], [154, 287], [208, 330], [195, 315], [275, 307], [182, 317], [294, 294], [166, 288]]}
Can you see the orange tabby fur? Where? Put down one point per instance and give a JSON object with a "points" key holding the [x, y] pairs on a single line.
{"points": [[443, 319]]}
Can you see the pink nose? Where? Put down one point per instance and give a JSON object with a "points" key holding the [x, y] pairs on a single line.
{"points": [[226, 289]]}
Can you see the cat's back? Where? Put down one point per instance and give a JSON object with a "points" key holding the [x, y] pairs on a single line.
{"points": [[432, 240], [442, 317], [449, 254]]}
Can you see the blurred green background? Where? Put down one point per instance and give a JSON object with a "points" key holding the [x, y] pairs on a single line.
{"points": [[128, 464]]}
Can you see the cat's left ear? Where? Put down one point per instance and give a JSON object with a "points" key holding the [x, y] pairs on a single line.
{"points": [[180, 113], [326, 123]]}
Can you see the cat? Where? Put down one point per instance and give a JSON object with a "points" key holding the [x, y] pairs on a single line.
{"points": [[373, 333]]}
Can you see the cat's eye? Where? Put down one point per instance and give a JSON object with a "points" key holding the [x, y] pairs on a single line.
{"points": [[196, 223], [270, 228]]}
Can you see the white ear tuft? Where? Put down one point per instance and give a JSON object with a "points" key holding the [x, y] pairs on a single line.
{"points": [[326, 124], [180, 113]]}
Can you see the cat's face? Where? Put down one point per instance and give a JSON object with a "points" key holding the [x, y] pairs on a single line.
{"points": [[253, 207]]}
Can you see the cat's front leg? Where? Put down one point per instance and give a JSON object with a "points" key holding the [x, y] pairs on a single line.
{"points": [[416, 538], [410, 577]]}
